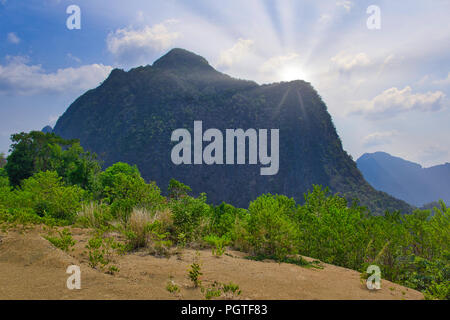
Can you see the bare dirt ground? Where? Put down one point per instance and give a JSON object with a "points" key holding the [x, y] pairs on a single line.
{"points": [[32, 268]]}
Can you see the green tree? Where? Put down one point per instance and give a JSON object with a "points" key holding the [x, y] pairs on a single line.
{"points": [[270, 229], [178, 189], [37, 151], [2, 160], [124, 188], [47, 194]]}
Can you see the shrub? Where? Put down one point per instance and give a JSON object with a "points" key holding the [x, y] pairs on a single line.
{"points": [[4, 181], [172, 287], [101, 251], [64, 241], [223, 219], [124, 189], [194, 272], [269, 229], [217, 289], [218, 244], [189, 217], [214, 291], [178, 189], [48, 196], [231, 290]]}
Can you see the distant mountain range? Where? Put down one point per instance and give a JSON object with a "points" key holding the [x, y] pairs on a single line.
{"points": [[406, 180], [131, 116]]}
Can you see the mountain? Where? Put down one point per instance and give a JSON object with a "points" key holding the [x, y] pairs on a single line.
{"points": [[406, 180], [130, 117], [47, 129]]}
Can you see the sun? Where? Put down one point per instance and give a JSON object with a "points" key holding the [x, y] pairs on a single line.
{"points": [[292, 72]]}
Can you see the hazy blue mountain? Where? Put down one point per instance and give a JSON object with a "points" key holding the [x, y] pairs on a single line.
{"points": [[404, 179], [131, 115], [47, 129]]}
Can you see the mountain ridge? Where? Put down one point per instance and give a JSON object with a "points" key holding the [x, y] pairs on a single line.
{"points": [[406, 180]]}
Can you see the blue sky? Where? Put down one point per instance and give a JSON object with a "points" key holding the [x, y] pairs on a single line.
{"points": [[386, 89]]}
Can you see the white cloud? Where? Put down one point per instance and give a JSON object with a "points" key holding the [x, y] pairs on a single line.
{"points": [[324, 18], [379, 138], [236, 53], [72, 57], [137, 45], [19, 77], [347, 5], [13, 38], [394, 101], [443, 82], [345, 62]]}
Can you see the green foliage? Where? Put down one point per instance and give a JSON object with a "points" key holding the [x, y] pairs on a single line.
{"points": [[37, 151], [178, 189], [56, 183], [2, 160], [172, 287], [213, 291], [194, 272], [159, 243], [48, 196], [4, 180], [223, 219], [330, 231], [216, 289], [63, 241], [101, 251], [231, 289], [25, 217], [269, 229], [218, 244], [188, 216], [124, 189]]}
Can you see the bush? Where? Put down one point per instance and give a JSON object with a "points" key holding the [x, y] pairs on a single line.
{"points": [[124, 189], [64, 241], [224, 218], [178, 189], [4, 181], [101, 252], [48, 196], [218, 244], [269, 229], [189, 217], [194, 272]]}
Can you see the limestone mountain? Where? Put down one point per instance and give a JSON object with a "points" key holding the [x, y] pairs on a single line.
{"points": [[406, 180], [130, 117]]}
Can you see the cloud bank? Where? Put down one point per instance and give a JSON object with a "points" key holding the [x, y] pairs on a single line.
{"points": [[394, 101], [19, 77]]}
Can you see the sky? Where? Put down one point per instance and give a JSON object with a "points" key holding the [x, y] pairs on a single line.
{"points": [[386, 88]]}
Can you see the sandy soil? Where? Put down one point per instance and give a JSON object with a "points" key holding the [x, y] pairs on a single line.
{"points": [[31, 268]]}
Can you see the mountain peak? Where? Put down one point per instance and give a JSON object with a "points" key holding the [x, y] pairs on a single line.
{"points": [[178, 58]]}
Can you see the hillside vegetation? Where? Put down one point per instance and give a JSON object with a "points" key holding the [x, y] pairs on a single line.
{"points": [[51, 181]]}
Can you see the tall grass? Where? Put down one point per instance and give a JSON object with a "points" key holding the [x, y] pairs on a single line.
{"points": [[94, 215]]}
